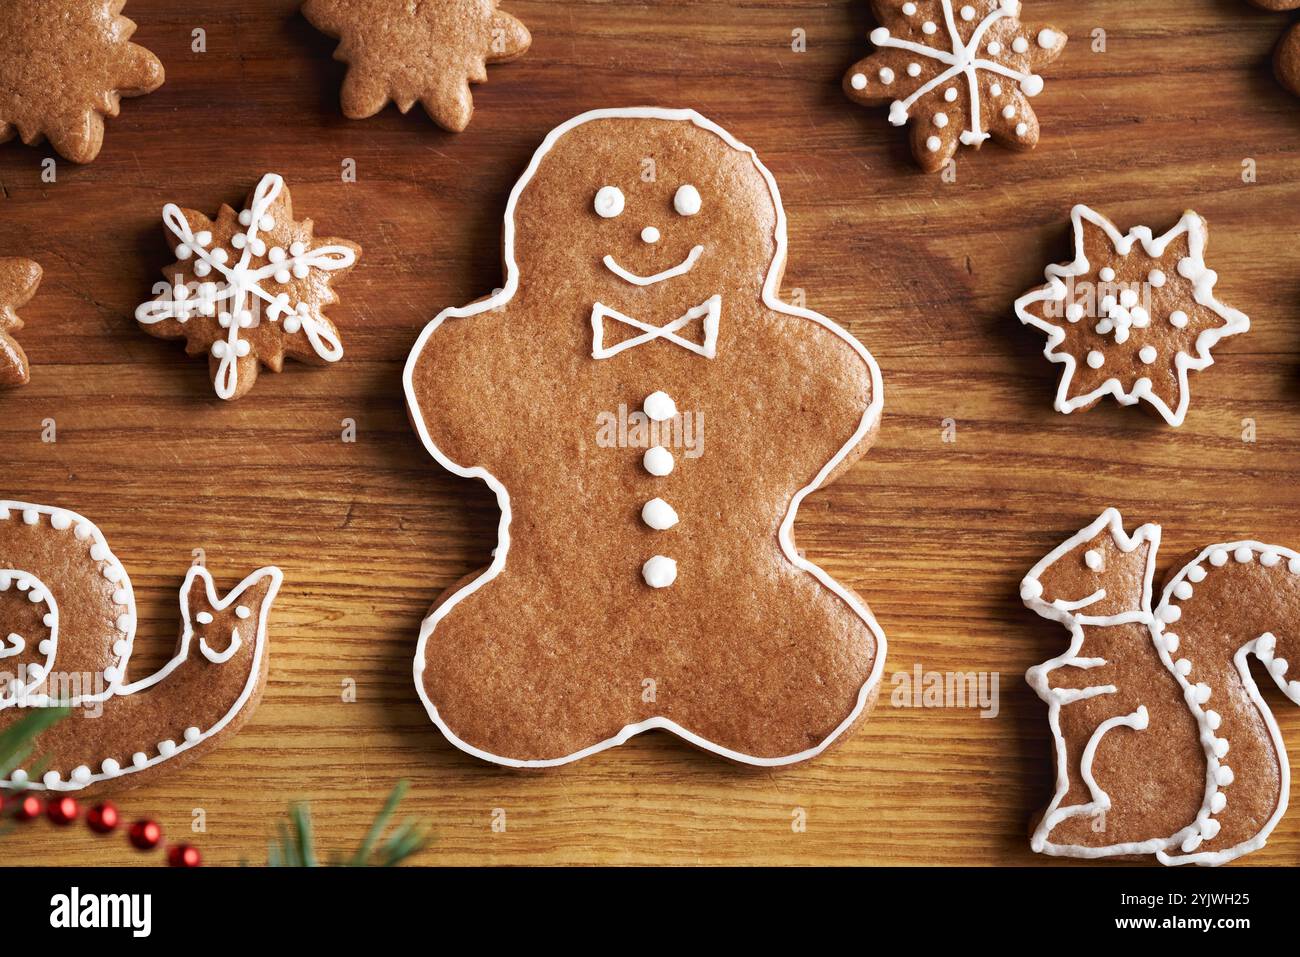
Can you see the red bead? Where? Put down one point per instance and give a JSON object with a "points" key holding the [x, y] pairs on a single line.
{"points": [[62, 811], [183, 855], [28, 808], [102, 818], [145, 835]]}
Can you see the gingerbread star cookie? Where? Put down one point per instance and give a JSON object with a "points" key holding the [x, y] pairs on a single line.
{"points": [[249, 288], [19, 279], [1286, 58], [650, 415], [67, 627], [1131, 315], [1163, 742], [960, 72], [64, 66], [429, 52]]}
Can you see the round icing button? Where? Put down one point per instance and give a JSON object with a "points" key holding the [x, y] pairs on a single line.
{"points": [[659, 406], [658, 460], [658, 514], [659, 572]]}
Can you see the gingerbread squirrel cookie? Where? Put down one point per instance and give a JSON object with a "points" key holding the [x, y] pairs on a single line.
{"points": [[404, 52], [64, 66], [960, 72], [1162, 740], [67, 625], [19, 279], [1131, 315], [645, 578], [1286, 58], [249, 288]]}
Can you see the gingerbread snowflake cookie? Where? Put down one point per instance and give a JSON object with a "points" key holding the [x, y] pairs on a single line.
{"points": [[64, 66], [67, 626], [19, 279], [1286, 58], [650, 416], [1163, 743], [1131, 315], [249, 288], [960, 72], [406, 52]]}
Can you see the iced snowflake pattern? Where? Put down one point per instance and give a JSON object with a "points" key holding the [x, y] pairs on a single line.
{"points": [[256, 301], [961, 74]]}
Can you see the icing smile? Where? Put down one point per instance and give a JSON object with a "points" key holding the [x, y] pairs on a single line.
{"points": [[683, 267]]}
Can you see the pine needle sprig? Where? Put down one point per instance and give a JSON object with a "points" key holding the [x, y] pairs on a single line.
{"points": [[296, 845]]}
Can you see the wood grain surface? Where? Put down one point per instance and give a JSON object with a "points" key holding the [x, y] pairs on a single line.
{"points": [[936, 535]]}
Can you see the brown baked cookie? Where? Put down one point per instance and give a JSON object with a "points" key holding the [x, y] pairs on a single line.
{"points": [[960, 72], [19, 279], [645, 577], [64, 66], [1286, 58], [67, 624], [428, 52], [1162, 740], [1131, 315], [249, 288]]}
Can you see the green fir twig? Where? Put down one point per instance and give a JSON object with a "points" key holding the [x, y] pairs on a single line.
{"points": [[296, 846]]}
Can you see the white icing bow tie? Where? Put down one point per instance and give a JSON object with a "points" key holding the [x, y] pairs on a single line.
{"points": [[710, 310]]}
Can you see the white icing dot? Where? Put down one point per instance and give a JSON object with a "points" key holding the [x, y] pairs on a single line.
{"points": [[886, 75], [968, 12], [204, 618], [1156, 277], [941, 120], [950, 94], [1008, 111], [1269, 558], [1046, 38], [202, 268], [1147, 354], [1183, 590], [914, 69], [659, 406], [1020, 44], [1095, 359], [609, 202], [246, 218], [996, 89], [1074, 312], [219, 348], [192, 734], [1171, 643], [1218, 558], [1030, 589], [994, 48], [1170, 614], [933, 143], [110, 767], [18, 776], [1022, 129], [1032, 85], [1178, 319], [167, 748], [1196, 574], [266, 224], [909, 9], [658, 514], [1092, 558], [1128, 298], [1243, 555], [139, 759], [929, 28], [1184, 666], [658, 460], [51, 779], [659, 572], [1141, 318], [858, 81], [687, 200], [31, 516], [243, 347], [243, 611], [1106, 275]]}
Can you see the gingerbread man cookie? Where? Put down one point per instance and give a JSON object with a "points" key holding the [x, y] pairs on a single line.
{"points": [[960, 72], [645, 578], [249, 288], [67, 625], [1162, 740], [64, 66], [404, 52], [1286, 58], [1131, 315], [19, 279]]}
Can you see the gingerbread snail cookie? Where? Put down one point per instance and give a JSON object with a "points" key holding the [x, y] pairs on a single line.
{"points": [[1286, 58], [429, 53], [67, 626], [960, 73], [1131, 315], [249, 288], [19, 279], [650, 416], [64, 66]]}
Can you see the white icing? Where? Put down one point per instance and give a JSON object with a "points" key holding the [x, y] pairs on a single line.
{"points": [[886, 75], [659, 406], [858, 81], [609, 202], [658, 461], [650, 235], [1092, 558], [658, 514], [1096, 359], [1047, 39], [771, 300], [1147, 354], [681, 269], [659, 572], [1193, 228], [710, 311], [687, 200]]}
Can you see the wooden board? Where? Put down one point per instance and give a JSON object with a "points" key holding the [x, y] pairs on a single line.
{"points": [[935, 534]]}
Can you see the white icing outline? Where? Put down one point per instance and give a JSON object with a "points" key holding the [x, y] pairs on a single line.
{"points": [[681, 269], [1203, 293], [1180, 847], [870, 418], [115, 687], [963, 59], [8, 697], [710, 309], [243, 283]]}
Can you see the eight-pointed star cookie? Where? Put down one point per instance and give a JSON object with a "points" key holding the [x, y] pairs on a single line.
{"points": [[18, 281], [1286, 58], [961, 72], [426, 50], [1131, 315], [249, 288], [64, 66]]}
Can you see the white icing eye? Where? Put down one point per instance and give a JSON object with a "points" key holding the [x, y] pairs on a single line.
{"points": [[687, 201], [609, 201]]}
